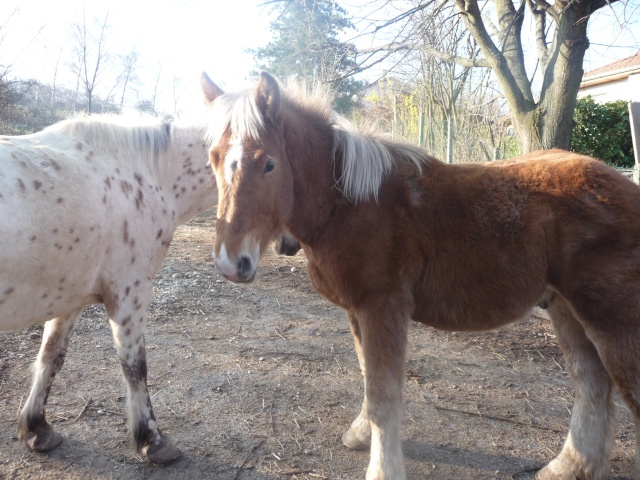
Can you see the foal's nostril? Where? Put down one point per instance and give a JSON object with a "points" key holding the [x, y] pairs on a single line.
{"points": [[244, 266]]}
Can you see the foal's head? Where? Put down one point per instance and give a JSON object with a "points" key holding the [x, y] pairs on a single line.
{"points": [[252, 172]]}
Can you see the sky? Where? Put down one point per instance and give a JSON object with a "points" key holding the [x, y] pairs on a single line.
{"points": [[183, 37], [187, 37]]}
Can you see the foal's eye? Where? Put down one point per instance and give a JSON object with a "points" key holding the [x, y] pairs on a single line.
{"points": [[268, 167], [234, 165]]}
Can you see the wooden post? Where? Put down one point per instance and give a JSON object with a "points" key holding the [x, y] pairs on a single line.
{"points": [[421, 130], [634, 121], [394, 127], [449, 139]]}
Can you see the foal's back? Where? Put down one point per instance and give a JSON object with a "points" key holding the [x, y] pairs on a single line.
{"points": [[495, 236]]}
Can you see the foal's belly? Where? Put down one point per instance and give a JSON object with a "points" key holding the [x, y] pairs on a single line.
{"points": [[485, 314]]}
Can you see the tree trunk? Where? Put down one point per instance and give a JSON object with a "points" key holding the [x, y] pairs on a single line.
{"points": [[546, 123]]}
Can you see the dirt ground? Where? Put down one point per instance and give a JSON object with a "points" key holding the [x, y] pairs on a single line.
{"points": [[259, 382]]}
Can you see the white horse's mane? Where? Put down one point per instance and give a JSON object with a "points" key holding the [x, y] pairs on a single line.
{"points": [[366, 157], [139, 137]]}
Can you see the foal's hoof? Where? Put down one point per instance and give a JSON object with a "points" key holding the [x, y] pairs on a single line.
{"points": [[42, 441], [161, 451], [561, 474], [351, 440]]}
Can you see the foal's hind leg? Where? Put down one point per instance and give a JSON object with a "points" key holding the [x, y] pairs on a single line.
{"points": [[128, 327], [585, 455], [33, 429], [618, 344], [358, 437]]}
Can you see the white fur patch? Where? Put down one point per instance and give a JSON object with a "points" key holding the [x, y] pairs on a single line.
{"points": [[224, 264], [229, 266], [233, 159]]}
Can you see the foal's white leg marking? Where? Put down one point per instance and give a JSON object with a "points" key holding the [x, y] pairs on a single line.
{"points": [[358, 436], [586, 451], [33, 430]]}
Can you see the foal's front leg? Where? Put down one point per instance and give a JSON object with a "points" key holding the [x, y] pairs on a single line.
{"points": [[358, 437], [128, 327], [33, 429], [384, 342]]}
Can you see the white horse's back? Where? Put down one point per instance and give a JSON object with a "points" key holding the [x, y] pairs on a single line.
{"points": [[52, 223]]}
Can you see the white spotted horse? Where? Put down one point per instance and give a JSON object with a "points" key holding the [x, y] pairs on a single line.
{"points": [[393, 234], [88, 208]]}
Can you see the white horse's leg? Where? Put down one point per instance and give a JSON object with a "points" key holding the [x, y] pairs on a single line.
{"points": [[384, 342], [128, 327], [586, 451], [33, 429], [358, 437]]}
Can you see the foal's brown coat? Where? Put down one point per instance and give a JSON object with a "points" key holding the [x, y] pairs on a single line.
{"points": [[458, 247]]}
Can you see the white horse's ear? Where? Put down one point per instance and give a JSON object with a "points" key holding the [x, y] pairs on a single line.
{"points": [[210, 90], [268, 97]]}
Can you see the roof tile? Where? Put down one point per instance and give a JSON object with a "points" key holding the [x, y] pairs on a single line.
{"points": [[629, 62]]}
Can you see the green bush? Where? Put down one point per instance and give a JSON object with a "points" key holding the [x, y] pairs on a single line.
{"points": [[602, 130]]}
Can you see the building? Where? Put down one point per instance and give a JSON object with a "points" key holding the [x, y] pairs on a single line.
{"points": [[619, 80]]}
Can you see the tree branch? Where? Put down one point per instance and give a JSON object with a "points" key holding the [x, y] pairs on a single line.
{"points": [[540, 18], [511, 73], [550, 9], [473, 19], [407, 46]]}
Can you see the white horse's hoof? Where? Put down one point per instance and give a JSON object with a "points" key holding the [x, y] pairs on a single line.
{"points": [[161, 451], [45, 440]]}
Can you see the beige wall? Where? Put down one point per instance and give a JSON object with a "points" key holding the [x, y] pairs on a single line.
{"points": [[627, 89]]}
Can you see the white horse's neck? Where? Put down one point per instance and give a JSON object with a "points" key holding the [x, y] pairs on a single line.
{"points": [[186, 172], [175, 155]]}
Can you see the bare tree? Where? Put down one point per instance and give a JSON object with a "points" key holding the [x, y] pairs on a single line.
{"points": [[542, 119], [128, 75], [89, 46]]}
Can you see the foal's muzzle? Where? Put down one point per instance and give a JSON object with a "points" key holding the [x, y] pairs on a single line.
{"points": [[242, 270]]}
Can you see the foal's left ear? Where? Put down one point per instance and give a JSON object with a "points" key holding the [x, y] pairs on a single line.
{"points": [[210, 90], [268, 97]]}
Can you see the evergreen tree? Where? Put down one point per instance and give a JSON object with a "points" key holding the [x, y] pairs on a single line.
{"points": [[306, 46]]}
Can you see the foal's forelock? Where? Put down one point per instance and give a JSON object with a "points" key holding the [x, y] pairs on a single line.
{"points": [[238, 112]]}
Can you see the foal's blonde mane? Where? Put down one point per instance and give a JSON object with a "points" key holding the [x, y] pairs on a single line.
{"points": [[366, 158], [137, 138]]}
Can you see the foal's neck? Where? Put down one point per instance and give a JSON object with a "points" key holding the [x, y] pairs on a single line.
{"points": [[310, 151]]}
